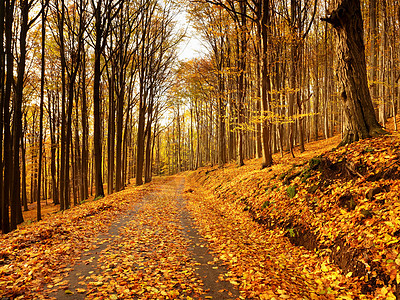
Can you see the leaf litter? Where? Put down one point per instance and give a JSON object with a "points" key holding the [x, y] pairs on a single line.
{"points": [[342, 204], [358, 212]]}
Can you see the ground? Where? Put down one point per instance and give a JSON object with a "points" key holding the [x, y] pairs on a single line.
{"points": [[285, 232]]}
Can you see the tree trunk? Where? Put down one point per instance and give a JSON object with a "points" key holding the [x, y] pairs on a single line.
{"points": [[147, 166], [374, 48], [266, 138], [140, 144], [16, 212], [241, 83], [96, 107], [24, 196], [2, 90], [258, 106], [111, 131], [53, 168], [61, 177], [85, 151], [38, 208], [6, 111], [316, 101], [351, 70], [119, 185]]}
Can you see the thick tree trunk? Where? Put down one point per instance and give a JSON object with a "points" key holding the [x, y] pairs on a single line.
{"points": [[351, 71], [2, 79], [6, 111], [61, 178], [16, 212], [98, 180]]}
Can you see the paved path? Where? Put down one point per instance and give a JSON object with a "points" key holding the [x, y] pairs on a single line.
{"points": [[151, 252]]}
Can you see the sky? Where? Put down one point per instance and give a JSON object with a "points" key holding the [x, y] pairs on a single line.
{"points": [[192, 46]]}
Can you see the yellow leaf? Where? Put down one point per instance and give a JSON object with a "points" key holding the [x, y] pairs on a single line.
{"points": [[349, 274], [384, 291], [324, 268]]}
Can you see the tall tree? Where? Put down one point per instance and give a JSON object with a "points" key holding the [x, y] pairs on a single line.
{"points": [[2, 79], [104, 13], [26, 23], [345, 17], [42, 73]]}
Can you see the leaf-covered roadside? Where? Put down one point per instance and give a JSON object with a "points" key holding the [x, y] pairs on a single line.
{"points": [[263, 263], [345, 200], [41, 254]]}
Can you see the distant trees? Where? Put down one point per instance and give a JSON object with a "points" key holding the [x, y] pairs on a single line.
{"points": [[291, 95], [98, 59], [155, 55]]}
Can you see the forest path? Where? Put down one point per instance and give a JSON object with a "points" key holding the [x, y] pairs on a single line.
{"points": [[152, 252]]}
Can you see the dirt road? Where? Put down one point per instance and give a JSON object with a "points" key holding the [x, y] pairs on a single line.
{"points": [[152, 252]]}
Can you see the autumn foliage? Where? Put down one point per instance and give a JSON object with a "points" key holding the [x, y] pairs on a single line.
{"points": [[342, 205]]}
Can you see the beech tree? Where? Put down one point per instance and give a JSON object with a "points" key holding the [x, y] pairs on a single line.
{"points": [[345, 17]]}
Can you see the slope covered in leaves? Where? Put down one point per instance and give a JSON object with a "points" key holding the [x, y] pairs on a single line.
{"points": [[342, 205]]}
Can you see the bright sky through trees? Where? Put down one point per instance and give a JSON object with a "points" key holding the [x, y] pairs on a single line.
{"points": [[191, 47]]}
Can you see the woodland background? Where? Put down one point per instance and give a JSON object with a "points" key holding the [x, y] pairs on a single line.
{"points": [[93, 92]]}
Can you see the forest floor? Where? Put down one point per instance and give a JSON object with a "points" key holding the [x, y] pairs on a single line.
{"points": [[322, 225], [329, 215]]}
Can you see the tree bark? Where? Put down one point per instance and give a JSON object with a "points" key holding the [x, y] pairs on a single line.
{"points": [[6, 113], [85, 151], [99, 191], [140, 144], [111, 130], [54, 146], [38, 208], [24, 196], [2, 79], [266, 138], [16, 212], [347, 21]]}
